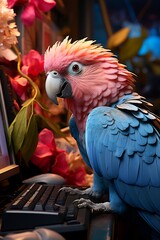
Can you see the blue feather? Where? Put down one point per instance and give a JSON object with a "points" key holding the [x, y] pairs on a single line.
{"points": [[158, 150], [139, 148], [142, 130], [130, 148], [120, 126], [140, 139], [129, 169], [134, 164], [119, 152], [112, 142], [133, 122], [132, 133], [123, 147], [150, 150], [139, 115], [152, 139], [148, 159], [155, 168], [122, 141]]}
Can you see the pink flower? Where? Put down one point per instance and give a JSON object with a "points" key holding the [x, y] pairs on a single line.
{"points": [[47, 157], [20, 86], [33, 63], [60, 165], [50, 159], [33, 9]]}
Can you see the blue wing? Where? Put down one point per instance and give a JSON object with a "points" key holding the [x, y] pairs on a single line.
{"points": [[125, 149]]}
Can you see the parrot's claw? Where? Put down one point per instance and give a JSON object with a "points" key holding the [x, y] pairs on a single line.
{"points": [[88, 191], [69, 190], [94, 207]]}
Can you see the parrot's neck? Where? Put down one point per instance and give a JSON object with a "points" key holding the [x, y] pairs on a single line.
{"points": [[81, 109]]}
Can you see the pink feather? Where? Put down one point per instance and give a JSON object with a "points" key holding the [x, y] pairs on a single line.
{"points": [[102, 82]]}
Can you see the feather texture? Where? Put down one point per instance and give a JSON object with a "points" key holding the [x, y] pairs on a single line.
{"points": [[126, 149], [116, 132]]}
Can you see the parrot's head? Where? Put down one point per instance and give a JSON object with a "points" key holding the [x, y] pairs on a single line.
{"points": [[86, 75]]}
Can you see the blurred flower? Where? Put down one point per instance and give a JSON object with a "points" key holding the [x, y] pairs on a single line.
{"points": [[33, 63], [20, 85], [8, 29], [48, 158], [30, 131], [77, 176], [33, 9]]}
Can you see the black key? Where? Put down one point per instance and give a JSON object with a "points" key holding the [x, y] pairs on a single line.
{"points": [[29, 205], [62, 210], [47, 206], [71, 212], [40, 205], [22, 199], [62, 196], [51, 201]]}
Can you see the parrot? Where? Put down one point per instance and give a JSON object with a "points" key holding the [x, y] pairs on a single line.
{"points": [[117, 132]]}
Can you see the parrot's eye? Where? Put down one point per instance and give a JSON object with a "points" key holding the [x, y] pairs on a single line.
{"points": [[75, 68]]}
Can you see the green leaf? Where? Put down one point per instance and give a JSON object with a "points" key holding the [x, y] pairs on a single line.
{"points": [[19, 129], [10, 131], [28, 102], [31, 139]]}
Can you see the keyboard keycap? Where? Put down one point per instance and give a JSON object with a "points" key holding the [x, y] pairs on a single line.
{"points": [[44, 206], [51, 201], [30, 204], [20, 201], [62, 196], [40, 205], [71, 212]]}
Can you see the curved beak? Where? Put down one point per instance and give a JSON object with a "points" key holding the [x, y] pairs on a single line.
{"points": [[57, 86]]}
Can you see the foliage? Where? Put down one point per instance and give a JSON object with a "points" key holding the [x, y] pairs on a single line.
{"points": [[37, 124], [23, 132]]}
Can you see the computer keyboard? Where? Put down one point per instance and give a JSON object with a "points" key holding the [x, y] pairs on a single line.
{"points": [[43, 205]]}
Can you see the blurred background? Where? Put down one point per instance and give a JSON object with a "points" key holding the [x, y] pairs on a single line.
{"points": [[130, 28]]}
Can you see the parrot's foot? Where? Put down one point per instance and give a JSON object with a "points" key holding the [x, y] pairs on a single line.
{"points": [[88, 191], [94, 207]]}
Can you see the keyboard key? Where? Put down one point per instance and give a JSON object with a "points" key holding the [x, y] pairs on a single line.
{"points": [[20, 201], [40, 205], [29, 205], [51, 201], [71, 212], [44, 206], [62, 196]]}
